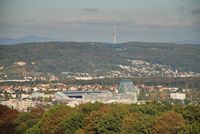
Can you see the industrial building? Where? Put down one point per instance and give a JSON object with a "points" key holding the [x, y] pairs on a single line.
{"points": [[127, 93]]}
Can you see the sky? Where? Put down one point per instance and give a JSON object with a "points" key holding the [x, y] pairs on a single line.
{"points": [[93, 20]]}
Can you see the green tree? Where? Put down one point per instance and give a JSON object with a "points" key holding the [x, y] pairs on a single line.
{"points": [[27, 120], [73, 123]]}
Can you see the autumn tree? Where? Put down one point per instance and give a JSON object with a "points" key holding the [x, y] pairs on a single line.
{"points": [[169, 123], [52, 120], [7, 116]]}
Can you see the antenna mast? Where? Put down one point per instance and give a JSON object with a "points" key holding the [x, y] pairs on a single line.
{"points": [[114, 35]]}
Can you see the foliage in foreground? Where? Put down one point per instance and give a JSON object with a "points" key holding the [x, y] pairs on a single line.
{"points": [[97, 118]]}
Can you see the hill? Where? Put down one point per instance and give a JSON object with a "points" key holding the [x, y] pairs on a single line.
{"points": [[26, 39], [96, 59]]}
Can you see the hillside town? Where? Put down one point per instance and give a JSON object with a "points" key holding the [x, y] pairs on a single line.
{"points": [[134, 69]]}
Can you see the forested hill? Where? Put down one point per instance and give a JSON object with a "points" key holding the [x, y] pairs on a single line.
{"points": [[57, 57]]}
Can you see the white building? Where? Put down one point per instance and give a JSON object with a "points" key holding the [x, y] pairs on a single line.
{"points": [[178, 96], [36, 95], [20, 105]]}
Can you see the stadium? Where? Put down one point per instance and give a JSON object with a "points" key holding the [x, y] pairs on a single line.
{"points": [[127, 93]]}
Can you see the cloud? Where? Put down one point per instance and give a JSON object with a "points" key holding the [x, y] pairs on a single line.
{"points": [[196, 11], [85, 20], [97, 21], [90, 10], [164, 23], [29, 20], [107, 21], [196, 24]]}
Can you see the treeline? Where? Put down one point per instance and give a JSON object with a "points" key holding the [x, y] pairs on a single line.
{"points": [[188, 82], [98, 118]]}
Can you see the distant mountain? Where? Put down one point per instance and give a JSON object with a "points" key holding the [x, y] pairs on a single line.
{"points": [[188, 42], [26, 39], [74, 58]]}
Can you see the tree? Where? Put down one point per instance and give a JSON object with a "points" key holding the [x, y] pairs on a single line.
{"points": [[52, 120], [7, 116], [137, 123], [26, 120], [169, 123], [6, 95]]}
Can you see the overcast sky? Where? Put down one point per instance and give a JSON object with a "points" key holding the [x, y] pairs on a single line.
{"points": [[92, 20]]}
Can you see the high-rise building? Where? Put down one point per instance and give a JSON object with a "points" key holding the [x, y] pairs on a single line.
{"points": [[126, 86]]}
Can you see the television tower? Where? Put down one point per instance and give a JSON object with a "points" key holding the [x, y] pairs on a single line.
{"points": [[114, 35]]}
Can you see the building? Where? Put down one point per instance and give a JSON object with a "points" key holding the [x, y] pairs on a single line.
{"points": [[178, 96], [126, 86], [20, 105], [36, 95], [127, 93]]}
